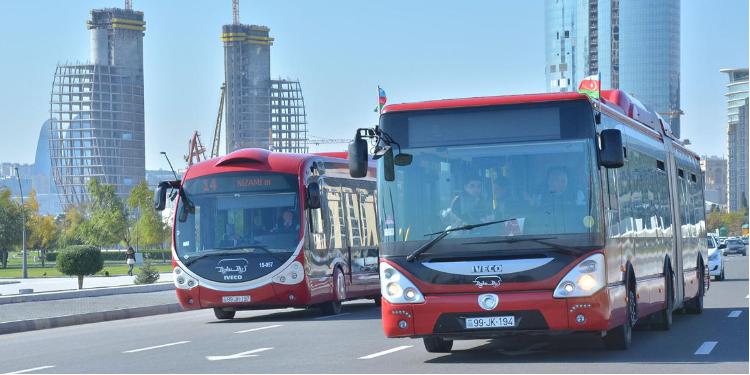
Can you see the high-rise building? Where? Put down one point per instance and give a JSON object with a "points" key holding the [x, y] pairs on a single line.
{"points": [[737, 138], [715, 171], [96, 108], [634, 45], [260, 112]]}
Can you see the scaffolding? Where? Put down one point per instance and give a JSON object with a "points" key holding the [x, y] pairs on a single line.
{"points": [[288, 118], [97, 129]]}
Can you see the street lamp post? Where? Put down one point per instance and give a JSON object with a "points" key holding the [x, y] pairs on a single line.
{"points": [[24, 269]]}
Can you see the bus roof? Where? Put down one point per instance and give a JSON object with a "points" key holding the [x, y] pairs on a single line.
{"points": [[253, 159], [484, 101]]}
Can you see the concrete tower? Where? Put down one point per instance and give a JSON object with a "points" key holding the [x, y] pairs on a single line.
{"points": [[96, 108]]}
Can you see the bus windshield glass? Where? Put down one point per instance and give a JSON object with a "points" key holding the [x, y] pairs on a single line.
{"points": [[543, 176], [253, 212]]}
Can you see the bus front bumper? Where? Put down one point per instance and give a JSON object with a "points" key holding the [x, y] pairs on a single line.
{"points": [[267, 296], [534, 312]]}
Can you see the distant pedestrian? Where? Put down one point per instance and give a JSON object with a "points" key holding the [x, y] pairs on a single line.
{"points": [[130, 259]]}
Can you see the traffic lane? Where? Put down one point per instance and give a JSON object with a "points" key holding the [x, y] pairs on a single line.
{"points": [[67, 346], [307, 341], [721, 293]]}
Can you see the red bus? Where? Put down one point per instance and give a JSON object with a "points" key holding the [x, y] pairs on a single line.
{"points": [[257, 229], [534, 214]]}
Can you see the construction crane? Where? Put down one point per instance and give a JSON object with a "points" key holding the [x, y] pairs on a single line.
{"points": [[217, 128], [236, 12], [315, 140], [196, 151]]}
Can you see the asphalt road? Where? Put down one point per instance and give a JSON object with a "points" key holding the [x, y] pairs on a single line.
{"points": [[293, 341]]}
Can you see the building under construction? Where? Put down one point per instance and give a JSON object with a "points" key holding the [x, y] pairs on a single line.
{"points": [[260, 112], [96, 108]]}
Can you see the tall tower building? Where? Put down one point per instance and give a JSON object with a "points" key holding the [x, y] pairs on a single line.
{"points": [[634, 45], [260, 112], [737, 138], [96, 108]]}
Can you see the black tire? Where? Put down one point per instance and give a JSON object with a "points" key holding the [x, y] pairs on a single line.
{"points": [[721, 275], [378, 301], [339, 294], [664, 320], [620, 338], [435, 344], [695, 305], [223, 314]]}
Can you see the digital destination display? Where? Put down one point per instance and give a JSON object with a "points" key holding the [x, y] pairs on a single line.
{"points": [[241, 182]]}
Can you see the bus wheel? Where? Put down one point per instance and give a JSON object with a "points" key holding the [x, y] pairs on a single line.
{"points": [[222, 314], [665, 316], [339, 294], [378, 301], [435, 344], [620, 338], [695, 305]]}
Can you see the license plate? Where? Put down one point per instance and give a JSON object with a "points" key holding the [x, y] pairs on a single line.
{"points": [[491, 322], [235, 299]]}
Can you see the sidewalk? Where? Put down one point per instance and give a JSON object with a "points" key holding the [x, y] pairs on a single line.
{"points": [[27, 316], [53, 284]]}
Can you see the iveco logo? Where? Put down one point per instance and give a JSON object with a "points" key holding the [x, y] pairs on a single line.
{"points": [[490, 281], [489, 268]]}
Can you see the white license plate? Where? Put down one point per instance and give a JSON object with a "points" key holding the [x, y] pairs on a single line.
{"points": [[491, 322], [235, 299]]}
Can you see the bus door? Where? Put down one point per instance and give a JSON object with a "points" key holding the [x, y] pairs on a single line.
{"points": [[361, 219], [676, 257]]}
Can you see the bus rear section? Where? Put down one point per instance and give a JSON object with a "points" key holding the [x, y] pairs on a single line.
{"points": [[241, 236], [503, 224]]}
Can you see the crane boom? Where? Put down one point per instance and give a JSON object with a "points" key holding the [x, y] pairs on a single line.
{"points": [[217, 129]]}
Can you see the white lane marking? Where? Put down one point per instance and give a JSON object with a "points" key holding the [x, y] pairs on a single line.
{"points": [[384, 352], [247, 354], [155, 347], [331, 316], [30, 370], [734, 314], [259, 328], [706, 348]]}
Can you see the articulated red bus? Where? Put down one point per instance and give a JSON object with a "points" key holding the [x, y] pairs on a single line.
{"points": [[534, 214], [257, 229]]}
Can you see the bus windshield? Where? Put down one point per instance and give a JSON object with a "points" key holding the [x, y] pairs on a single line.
{"points": [[244, 212], [546, 186]]}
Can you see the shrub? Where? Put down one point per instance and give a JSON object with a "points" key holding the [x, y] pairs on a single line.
{"points": [[147, 274], [80, 260]]}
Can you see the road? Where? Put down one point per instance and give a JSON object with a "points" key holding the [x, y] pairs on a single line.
{"points": [[293, 341]]}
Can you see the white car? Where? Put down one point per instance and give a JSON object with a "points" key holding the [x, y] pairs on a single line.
{"points": [[715, 259]]}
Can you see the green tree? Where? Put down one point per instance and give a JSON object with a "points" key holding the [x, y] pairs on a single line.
{"points": [[43, 234], [107, 222], [731, 220], [80, 261], [68, 224], [10, 225], [147, 229]]}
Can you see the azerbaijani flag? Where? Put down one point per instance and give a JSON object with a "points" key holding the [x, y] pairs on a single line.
{"points": [[381, 100], [591, 86]]}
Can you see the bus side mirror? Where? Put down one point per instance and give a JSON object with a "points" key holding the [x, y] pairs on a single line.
{"points": [[358, 157], [611, 154], [313, 195], [389, 171], [160, 196]]}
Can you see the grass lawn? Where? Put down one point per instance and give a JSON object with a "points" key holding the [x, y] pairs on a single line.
{"points": [[114, 270]]}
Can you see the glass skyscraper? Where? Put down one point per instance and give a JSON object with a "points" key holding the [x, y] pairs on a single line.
{"points": [[737, 138], [634, 45]]}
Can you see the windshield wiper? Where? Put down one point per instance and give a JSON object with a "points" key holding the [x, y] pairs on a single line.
{"points": [[540, 240], [411, 257], [229, 251]]}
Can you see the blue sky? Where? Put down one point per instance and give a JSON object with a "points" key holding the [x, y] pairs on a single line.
{"points": [[340, 51]]}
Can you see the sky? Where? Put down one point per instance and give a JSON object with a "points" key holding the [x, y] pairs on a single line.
{"points": [[340, 51]]}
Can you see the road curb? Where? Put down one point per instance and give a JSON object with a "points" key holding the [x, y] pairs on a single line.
{"points": [[97, 292], [86, 318]]}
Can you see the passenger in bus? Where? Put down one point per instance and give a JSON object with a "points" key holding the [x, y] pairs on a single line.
{"points": [[471, 206], [286, 223], [562, 206]]}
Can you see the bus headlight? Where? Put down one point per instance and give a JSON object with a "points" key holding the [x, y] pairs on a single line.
{"points": [[584, 279], [182, 280], [396, 288], [292, 274]]}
